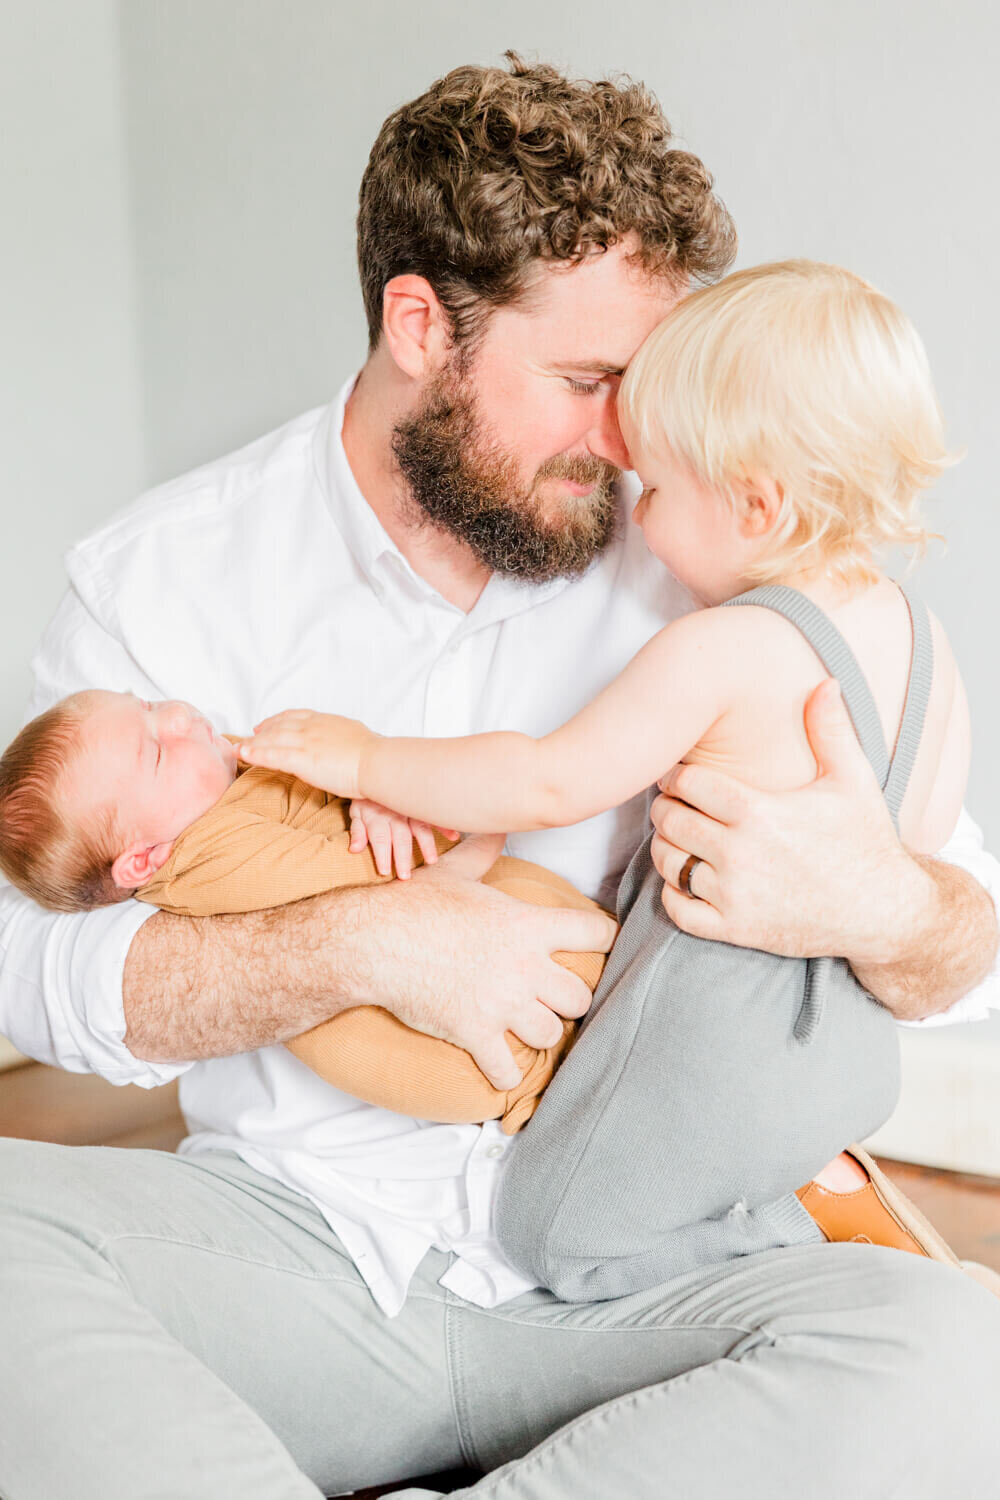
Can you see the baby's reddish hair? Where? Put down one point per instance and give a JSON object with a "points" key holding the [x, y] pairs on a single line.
{"points": [[62, 865]]}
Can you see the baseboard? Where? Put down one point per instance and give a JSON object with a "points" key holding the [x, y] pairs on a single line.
{"points": [[949, 1111]]}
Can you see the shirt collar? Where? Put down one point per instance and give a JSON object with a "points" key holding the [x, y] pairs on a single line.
{"points": [[377, 554], [361, 529]]}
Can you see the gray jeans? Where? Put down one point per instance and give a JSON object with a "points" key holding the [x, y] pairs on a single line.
{"points": [[184, 1328]]}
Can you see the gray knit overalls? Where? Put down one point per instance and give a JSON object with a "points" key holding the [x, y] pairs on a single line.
{"points": [[708, 1082]]}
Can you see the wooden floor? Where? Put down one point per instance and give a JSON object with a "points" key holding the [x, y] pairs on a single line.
{"points": [[965, 1210]]}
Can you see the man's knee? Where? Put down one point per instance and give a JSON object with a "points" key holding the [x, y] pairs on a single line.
{"points": [[38, 1173], [52, 1195], [887, 1321], [935, 1347], [28, 1172], [945, 1316]]}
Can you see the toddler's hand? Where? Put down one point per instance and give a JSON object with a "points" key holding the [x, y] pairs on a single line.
{"points": [[391, 836], [323, 749]]}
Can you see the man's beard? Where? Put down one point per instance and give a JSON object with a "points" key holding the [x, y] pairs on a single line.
{"points": [[469, 486]]}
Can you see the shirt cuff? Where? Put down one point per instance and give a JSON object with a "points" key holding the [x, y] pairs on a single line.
{"points": [[64, 1002]]}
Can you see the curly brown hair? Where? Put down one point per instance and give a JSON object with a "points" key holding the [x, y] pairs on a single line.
{"points": [[491, 169]]}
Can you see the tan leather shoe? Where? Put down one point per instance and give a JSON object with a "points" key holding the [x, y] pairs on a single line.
{"points": [[876, 1214], [879, 1213]]}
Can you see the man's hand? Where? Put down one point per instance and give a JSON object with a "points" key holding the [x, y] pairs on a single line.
{"points": [[443, 952], [820, 870], [323, 749], [785, 871], [467, 963]]}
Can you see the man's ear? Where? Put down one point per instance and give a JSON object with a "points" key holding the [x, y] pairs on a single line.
{"points": [[760, 504], [415, 326], [138, 864]]}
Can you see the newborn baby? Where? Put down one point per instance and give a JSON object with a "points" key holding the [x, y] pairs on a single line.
{"points": [[105, 797]]}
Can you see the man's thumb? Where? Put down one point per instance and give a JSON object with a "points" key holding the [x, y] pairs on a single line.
{"points": [[473, 856], [831, 734]]}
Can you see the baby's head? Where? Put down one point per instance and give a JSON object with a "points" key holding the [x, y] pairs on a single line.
{"points": [[782, 421], [94, 792]]}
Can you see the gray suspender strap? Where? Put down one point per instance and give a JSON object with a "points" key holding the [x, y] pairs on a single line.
{"points": [[893, 774], [918, 692], [838, 658]]}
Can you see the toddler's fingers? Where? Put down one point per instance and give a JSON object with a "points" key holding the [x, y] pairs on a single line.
{"points": [[287, 716], [424, 836], [380, 838], [402, 846], [272, 744], [359, 834], [256, 754]]}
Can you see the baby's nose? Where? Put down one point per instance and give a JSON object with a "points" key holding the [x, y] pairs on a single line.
{"points": [[179, 716]]}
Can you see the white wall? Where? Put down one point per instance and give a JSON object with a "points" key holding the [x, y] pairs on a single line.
{"points": [[853, 132], [161, 306], [70, 415]]}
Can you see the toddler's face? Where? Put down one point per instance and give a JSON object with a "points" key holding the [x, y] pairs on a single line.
{"points": [[159, 766], [690, 527]]}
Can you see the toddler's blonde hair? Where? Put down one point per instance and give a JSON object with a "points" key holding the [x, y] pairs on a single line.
{"points": [[805, 374]]}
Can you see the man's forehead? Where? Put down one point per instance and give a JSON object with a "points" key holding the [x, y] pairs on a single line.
{"points": [[593, 315]]}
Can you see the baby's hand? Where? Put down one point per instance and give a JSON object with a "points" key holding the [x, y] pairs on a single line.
{"points": [[323, 749], [391, 836]]}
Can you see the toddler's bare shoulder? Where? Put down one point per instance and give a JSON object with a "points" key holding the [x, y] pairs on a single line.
{"points": [[745, 632]]}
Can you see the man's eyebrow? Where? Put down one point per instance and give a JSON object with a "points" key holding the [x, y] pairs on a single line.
{"points": [[591, 366]]}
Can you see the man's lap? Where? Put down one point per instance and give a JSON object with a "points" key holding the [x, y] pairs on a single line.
{"points": [[248, 1277]]}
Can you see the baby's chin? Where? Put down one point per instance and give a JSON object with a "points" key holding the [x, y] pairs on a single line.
{"points": [[227, 754]]}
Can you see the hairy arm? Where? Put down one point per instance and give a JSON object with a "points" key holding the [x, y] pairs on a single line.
{"points": [[197, 987], [945, 944], [190, 992]]}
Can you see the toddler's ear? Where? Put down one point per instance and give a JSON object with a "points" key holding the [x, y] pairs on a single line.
{"points": [[137, 865], [760, 503]]}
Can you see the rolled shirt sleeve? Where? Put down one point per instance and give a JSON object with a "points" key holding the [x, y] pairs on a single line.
{"points": [[61, 976]]}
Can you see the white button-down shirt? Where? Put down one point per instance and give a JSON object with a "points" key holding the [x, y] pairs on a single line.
{"points": [[264, 581]]}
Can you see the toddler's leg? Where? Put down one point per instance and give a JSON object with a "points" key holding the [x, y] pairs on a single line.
{"points": [[708, 1083]]}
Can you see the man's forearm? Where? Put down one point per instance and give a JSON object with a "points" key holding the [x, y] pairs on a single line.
{"points": [[446, 954], [950, 942], [197, 987]]}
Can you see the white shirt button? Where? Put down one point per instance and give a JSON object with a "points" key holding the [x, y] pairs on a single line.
{"points": [[493, 1152]]}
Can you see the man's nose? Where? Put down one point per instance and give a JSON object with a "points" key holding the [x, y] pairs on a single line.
{"points": [[605, 438]]}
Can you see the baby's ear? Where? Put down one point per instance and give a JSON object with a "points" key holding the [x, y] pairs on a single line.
{"points": [[137, 865]]}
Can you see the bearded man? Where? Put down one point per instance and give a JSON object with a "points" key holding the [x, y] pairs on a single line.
{"points": [[310, 1297]]}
